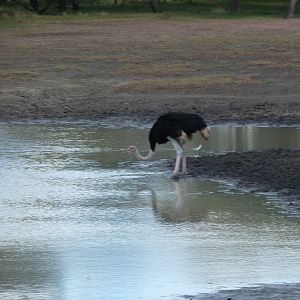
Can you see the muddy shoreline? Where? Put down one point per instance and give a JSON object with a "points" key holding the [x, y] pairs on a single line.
{"points": [[273, 172], [261, 292]]}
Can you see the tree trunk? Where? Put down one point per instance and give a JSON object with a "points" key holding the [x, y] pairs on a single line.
{"points": [[233, 6], [75, 5], [35, 5], [292, 7], [61, 5], [155, 5]]}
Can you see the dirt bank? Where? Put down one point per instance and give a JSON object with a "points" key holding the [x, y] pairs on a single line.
{"points": [[262, 292], [228, 70]]}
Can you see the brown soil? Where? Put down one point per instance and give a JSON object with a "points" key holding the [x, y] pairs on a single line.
{"points": [[228, 70]]}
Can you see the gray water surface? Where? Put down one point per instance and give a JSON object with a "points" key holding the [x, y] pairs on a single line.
{"points": [[81, 219]]}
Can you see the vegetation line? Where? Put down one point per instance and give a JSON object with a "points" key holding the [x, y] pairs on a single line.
{"points": [[13, 9]]}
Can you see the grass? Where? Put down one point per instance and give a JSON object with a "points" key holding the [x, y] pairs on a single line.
{"points": [[17, 74], [185, 83], [155, 69]]}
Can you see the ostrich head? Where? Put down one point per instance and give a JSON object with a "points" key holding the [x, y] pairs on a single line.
{"points": [[205, 132], [132, 149]]}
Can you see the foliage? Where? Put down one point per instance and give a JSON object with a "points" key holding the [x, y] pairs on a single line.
{"points": [[203, 8]]}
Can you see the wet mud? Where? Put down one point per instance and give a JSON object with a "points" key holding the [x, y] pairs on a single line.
{"points": [[262, 292]]}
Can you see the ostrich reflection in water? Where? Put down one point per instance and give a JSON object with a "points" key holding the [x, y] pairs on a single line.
{"points": [[180, 210]]}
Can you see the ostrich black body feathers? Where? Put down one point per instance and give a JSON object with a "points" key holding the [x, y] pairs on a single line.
{"points": [[173, 125]]}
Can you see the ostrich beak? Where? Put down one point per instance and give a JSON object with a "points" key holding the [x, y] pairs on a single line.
{"points": [[205, 133]]}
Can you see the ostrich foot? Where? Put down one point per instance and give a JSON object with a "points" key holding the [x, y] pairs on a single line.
{"points": [[178, 176]]}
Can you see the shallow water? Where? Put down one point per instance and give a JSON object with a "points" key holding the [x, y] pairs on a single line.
{"points": [[80, 219]]}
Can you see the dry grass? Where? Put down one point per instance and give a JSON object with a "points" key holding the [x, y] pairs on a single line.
{"points": [[82, 58], [107, 66], [185, 83], [261, 63], [18, 74], [154, 69], [69, 67]]}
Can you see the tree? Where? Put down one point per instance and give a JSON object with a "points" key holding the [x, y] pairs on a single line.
{"points": [[35, 5], [292, 7], [62, 5], [154, 4]]}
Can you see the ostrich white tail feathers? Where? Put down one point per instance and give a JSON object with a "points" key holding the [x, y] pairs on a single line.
{"points": [[135, 152], [198, 148]]}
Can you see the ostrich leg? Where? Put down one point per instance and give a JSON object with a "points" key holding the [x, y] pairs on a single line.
{"points": [[179, 155], [184, 162]]}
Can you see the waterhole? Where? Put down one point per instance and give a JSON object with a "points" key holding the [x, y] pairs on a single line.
{"points": [[81, 219]]}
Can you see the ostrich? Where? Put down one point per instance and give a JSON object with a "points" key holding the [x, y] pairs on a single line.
{"points": [[174, 127]]}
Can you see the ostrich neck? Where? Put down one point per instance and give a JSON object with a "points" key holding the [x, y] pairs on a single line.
{"points": [[138, 155]]}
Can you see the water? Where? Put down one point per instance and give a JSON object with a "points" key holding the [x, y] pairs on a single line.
{"points": [[80, 219]]}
